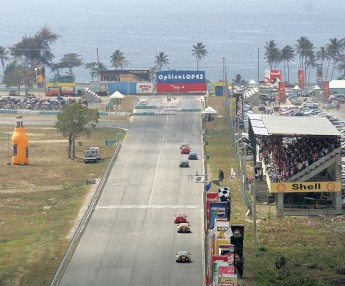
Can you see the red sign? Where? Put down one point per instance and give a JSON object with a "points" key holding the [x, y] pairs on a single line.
{"points": [[210, 197], [281, 91], [181, 87], [275, 74], [301, 79], [226, 270], [325, 90]]}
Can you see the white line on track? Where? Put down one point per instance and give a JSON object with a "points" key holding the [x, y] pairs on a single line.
{"points": [[150, 206], [160, 152]]}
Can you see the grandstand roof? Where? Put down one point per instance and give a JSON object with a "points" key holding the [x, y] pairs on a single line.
{"points": [[292, 125]]}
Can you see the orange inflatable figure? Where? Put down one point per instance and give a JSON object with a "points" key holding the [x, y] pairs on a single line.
{"points": [[20, 150]]}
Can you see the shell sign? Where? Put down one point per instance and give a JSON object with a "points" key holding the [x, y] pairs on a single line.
{"points": [[305, 187]]}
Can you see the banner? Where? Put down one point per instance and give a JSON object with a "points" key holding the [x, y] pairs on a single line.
{"points": [[319, 75], [281, 91], [306, 187], [325, 89], [181, 87], [180, 77], [144, 87], [210, 197], [276, 76], [267, 77], [301, 79], [218, 210]]}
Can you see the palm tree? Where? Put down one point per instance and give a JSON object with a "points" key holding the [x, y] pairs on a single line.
{"points": [[310, 63], [3, 57], [287, 55], [334, 48], [321, 56], [272, 54], [199, 52], [304, 47], [118, 59], [238, 80], [160, 60], [341, 65]]}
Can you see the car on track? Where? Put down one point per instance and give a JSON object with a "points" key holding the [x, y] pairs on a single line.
{"points": [[183, 256], [184, 164], [183, 227], [185, 149], [193, 156], [180, 218], [183, 144]]}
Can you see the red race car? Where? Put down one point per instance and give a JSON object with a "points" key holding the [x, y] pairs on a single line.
{"points": [[180, 218], [185, 149]]}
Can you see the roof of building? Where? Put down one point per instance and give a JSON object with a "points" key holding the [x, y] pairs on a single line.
{"points": [[292, 125]]}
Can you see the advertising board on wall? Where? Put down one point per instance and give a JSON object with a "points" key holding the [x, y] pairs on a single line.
{"points": [[218, 210], [305, 187], [144, 87], [181, 81]]}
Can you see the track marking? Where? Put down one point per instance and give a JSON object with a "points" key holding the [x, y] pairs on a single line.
{"points": [[150, 207]]}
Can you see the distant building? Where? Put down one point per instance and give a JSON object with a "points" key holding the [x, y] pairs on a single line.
{"points": [[124, 75]]}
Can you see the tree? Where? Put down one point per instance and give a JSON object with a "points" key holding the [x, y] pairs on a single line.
{"points": [[272, 54], [287, 54], [37, 49], [3, 57], [310, 63], [118, 59], [160, 60], [304, 48], [334, 48], [70, 61], [94, 68], [15, 76], [238, 80], [321, 56], [199, 52], [341, 65], [74, 121]]}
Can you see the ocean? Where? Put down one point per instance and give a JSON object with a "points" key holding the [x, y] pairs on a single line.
{"points": [[234, 30]]}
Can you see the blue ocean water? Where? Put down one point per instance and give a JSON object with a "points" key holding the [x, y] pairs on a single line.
{"points": [[236, 30]]}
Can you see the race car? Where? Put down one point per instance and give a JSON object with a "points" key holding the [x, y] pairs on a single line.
{"points": [[185, 149], [183, 256], [183, 144], [180, 218], [193, 156], [183, 227], [184, 164]]}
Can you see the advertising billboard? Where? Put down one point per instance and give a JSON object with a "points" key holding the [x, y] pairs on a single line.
{"points": [[301, 79], [181, 87], [281, 91], [218, 210], [276, 76], [325, 89], [306, 187], [144, 87], [163, 77], [210, 197]]}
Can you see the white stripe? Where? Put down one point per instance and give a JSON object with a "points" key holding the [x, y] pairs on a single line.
{"points": [[150, 206]]}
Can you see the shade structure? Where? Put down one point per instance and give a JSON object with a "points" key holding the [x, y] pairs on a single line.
{"points": [[117, 94], [209, 109]]}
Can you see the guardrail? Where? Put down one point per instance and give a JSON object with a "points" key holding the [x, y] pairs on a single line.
{"points": [[85, 220]]}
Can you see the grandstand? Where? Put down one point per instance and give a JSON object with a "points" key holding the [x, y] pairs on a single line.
{"points": [[300, 161]]}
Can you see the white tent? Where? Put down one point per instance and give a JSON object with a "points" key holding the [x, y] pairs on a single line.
{"points": [[296, 87], [252, 83], [316, 87], [209, 109], [117, 94]]}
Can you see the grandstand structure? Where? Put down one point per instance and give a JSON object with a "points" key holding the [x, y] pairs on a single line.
{"points": [[300, 160]]}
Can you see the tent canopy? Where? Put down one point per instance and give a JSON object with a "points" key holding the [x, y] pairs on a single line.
{"points": [[296, 87], [209, 109], [117, 94]]}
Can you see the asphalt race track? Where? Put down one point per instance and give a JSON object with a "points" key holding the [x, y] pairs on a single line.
{"points": [[131, 238]]}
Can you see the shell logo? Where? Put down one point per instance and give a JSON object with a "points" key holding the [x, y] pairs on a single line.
{"points": [[281, 188], [330, 187]]}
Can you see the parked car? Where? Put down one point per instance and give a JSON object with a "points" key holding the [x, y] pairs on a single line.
{"points": [[184, 163], [193, 156], [183, 256], [180, 218]]}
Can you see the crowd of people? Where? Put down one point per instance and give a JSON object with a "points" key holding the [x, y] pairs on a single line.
{"points": [[294, 155], [32, 102]]}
